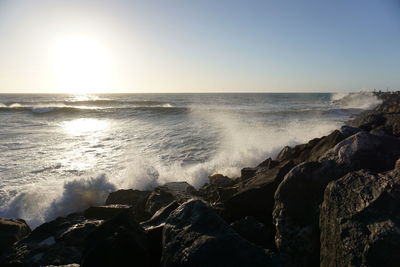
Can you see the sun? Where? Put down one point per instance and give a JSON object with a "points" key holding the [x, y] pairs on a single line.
{"points": [[81, 65]]}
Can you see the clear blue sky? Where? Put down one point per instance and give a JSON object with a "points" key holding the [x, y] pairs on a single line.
{"points": [[199, 46]]}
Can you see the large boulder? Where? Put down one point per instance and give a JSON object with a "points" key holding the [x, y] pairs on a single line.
{"points": [[311, 151], [59, 242], [134, 198], [360, 220], [254, 231], [194, 235], [11, 231], [119, 241], [255, 196], [365, 151], [168, 193], [296, 215], [105, 212]]}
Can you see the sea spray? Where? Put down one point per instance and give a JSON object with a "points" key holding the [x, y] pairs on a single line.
{"points": [[50, 170]]}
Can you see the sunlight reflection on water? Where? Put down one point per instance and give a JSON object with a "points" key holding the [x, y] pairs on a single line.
{"points": [[84, 126]]}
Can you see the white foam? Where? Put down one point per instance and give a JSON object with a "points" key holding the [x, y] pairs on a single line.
{"points": [[361, 100]]}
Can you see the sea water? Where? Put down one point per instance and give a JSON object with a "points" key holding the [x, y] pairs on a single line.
{"points": [[63, 153]]}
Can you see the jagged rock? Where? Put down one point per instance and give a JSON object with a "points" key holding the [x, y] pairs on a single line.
{"points": [[365, 151], [169, 192], [11, 231], [119, 241], [135, 198], [254, 231], [105, 212], [247, 173], [59, 242], [368, 120], [360, 220], [255, 196], [296, 215], [312, 151], [160, 216], [219, 180], [194, 235], [349, 130]]}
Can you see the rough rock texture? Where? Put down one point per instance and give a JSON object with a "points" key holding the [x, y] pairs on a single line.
{"points": [[296, 215], [366, 151], [360, 220], [135, 198], [54, 243], [169, 192], [195, 235], [105, 212], [11, 231], [160, 216], [311, 151], [259, 189], [119, 241]]}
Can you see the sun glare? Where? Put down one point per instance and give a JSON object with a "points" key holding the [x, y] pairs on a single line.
{"points": [[81, 65]]}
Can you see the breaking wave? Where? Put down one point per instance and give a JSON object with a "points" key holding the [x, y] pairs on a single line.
{"points": [[360, 100]]}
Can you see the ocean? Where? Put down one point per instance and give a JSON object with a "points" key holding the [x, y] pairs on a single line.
{"points": [[63, 153]]}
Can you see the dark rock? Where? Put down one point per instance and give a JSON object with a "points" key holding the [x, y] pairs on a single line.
{"points": [[296, 215], [58, 242], [105, 212], [254, 231], [158, 199], [194, 235], [119, 241], [366, 151], [360, 220], [313, 150], [11, 231], [268, 164], [393, 123], [368, 120], [255, 196], [135, 198], [154, 237], [160, 216], [169, 192], [247, 173], [349, 131], [220, 180]]}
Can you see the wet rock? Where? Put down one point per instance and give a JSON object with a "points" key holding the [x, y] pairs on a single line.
{"points": [[360, 220], [219, 180], [255, 197], [247, 173], [134, 198], [160, 216], [105, 212], [11, 231], [119, 241], [366, 151], [194, 235], [296, 211], [59, 242], [166, 194], [254, 232]]}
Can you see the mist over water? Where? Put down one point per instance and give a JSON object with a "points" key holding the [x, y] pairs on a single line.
{"points": [[63, 153]]}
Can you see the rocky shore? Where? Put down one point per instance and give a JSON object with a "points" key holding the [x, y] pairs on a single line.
{"points": [[334, 201]]}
